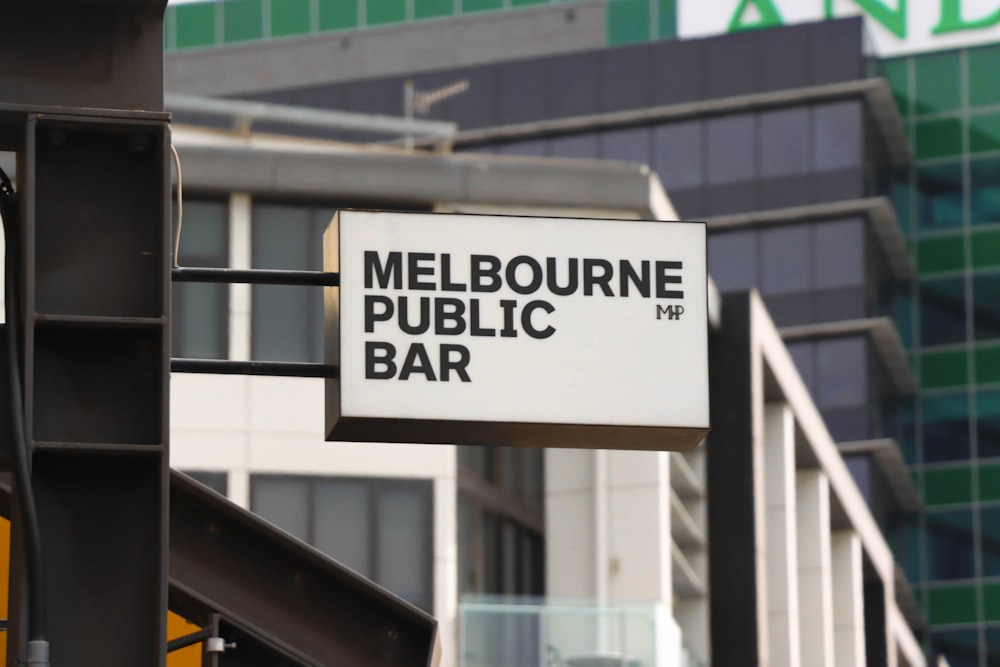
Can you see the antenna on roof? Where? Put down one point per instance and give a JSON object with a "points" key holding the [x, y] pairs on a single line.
{"points": [[420, 102]]}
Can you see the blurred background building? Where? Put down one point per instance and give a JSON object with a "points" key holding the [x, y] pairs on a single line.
{"points": [[849, 169]]}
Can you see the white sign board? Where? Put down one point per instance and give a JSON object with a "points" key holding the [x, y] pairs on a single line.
{"points": [[475, 329], [896, 27]]}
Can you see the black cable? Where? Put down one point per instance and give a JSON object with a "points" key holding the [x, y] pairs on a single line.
{"points": [[26, 496]]}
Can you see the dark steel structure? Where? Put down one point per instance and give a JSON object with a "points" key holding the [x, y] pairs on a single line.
{"points": [[81, 99]]}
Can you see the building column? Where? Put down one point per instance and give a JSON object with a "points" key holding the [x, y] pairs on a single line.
{"points": [[815, 580], [781, 556], [848, 599]]}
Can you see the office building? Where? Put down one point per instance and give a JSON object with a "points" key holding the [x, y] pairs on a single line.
{"points": [[830, 174]]}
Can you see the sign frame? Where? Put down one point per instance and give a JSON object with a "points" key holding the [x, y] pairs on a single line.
{"points": [[516, 432]]}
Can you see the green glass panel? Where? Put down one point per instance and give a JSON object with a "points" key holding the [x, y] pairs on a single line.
{"points": [[986, 248], [902, 199], [289, 17], [902, 314], [945, 408], [988, 422], [242, 20], [947, 486], [944, 369], [527, 3], [984, 132], [425, 9], [170, 28], [986, 306], [195, 25], [378, 12], [338, 14], [987, 365], [984, 191], [940, 193], [952, 604], [470, 6], [991, 602], [989, 482], [984, 63], [897, 72], [938, 79], [667, 19], [941, 254], [939, 138], [628, 21]]}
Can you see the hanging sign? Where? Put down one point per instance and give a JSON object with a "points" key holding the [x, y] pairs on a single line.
{"points": [[552, 332]]}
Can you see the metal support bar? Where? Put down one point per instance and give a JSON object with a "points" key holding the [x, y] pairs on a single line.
{"points": [[249, 112], [287, 606], [187, 640], [278, 368], [254, 276]]}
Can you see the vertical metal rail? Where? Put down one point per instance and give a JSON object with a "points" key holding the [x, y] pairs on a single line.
{"points": [[93, 189]]}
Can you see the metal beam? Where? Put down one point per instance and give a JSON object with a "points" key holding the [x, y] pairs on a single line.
{"points": [[281, 601], [287, 594], [245, 113]]}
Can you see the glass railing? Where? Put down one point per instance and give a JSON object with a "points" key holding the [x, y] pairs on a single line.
{"points": [[525, 632]]}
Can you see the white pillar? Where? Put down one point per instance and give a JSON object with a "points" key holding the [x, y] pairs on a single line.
{"points": [[239, 294], [570, 536], [848, 599], [781, 557], [638, 523], [815, 580]]}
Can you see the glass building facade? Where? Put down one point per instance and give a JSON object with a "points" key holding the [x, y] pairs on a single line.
{"points": [[208, 24], [949, 206]]}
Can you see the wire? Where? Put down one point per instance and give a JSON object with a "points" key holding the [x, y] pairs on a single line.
{"points": [[25, 493], [180, 204]]}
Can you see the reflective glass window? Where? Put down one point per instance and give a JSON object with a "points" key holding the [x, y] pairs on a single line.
{"points": [[984, 191], [989, 522], [200, 312], [786, 260], [630, 144], [287, 321], [732, 260], [945, 427], [988, 422], [986, 308], [677, 154], [217, 481], [960, 647], [950, 545], [842, 370], [837, 136], [730, 149], [381, 528], [839, 253], [284, 502], [784, 142], [582, 146], [803, 354], [942, 311], [939, 197]]}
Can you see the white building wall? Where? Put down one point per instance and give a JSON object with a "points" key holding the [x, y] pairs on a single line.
{"points": [[782, 547]]}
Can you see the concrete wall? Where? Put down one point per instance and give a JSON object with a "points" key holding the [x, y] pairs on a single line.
{"points": [[379, 52]]}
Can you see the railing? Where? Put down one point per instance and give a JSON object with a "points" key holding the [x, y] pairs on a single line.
{"points": [[526, 632]]}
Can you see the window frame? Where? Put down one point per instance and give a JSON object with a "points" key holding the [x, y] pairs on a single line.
{"points": [[424, 488]]}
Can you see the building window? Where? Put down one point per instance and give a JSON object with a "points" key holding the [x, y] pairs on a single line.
{"points": [[500, 521], [381, 528], [287, 321], [217, 481], [200, 311]]}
